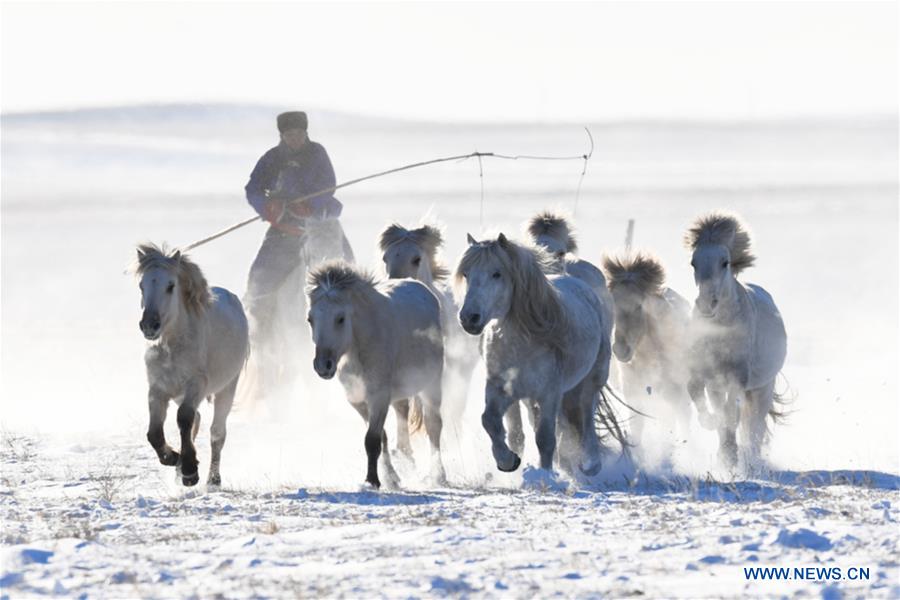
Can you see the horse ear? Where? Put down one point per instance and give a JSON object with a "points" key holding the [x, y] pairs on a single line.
{"points": [[501, 239], [177, 256], [470, 239], [140, 254]]}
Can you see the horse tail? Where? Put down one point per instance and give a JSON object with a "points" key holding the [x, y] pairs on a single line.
{"points": [[416, 417], [612, 392], [606, 422], [778, 413]]}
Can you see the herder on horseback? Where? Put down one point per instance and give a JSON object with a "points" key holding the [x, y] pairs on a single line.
{"points": [[295, 168]]}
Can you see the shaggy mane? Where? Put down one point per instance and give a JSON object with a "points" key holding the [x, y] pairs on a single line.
{"points": [[426, 237], [195, 291], [337, 276], [643, 271], [555, 225], [536, 308], [724, 229]]}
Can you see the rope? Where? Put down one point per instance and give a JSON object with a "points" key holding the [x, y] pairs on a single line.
{"points": [[481, 206], [460, 157]]}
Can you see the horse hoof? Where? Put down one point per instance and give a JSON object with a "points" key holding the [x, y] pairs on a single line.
{"points": [[591, 469], [510, 468], [374, 482], [190, 480], [214, 481]]}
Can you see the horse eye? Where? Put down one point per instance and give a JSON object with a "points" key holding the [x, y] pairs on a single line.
{"points": [[724, 264], [496, 275], [340, 320], [692, 264], [309, 319], [170, 288], [417, 261]]}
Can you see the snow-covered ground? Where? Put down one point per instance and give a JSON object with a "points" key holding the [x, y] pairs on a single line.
{"points": [[87, 509], [102, 519]]}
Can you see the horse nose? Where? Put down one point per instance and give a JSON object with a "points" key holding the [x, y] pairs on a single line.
{"points": [[324, 365], [471, 322], [622, 351], [150, 325], [713, 302]]}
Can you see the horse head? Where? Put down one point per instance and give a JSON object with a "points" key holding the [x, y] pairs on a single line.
{"points": [[721, 250], [170, 284], [332, 294], [487, 273], [412, 252], [632, 279]]}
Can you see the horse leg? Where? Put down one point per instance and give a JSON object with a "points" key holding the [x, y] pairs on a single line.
{"points": [[696, 389], [591, 460], [185, 419], [728, 416], [392, 478], [754, 410], [159, 406], [545, 432], [496, 404], [431, 409], [568, 431], [196, 426], [223, 401], [516, 434], [401, 409], [376, 437]]}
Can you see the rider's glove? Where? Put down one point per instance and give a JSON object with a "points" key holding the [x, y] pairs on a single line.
{"points": [[273, 210]]}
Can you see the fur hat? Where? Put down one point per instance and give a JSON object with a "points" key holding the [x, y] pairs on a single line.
{"points": [[292, 120]]}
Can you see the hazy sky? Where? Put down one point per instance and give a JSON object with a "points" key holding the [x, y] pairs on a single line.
{"points": [[460, 61]]}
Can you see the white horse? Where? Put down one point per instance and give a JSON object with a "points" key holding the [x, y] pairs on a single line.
{"points": [[543, 343], [553, 232], [198, 346], [651, 341], [384, 342], [413, 253], [739, 342]]}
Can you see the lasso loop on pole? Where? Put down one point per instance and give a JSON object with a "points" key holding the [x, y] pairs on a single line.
{"points": [[586, 158], [460, 157]]}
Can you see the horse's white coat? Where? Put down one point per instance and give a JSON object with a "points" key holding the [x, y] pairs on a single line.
{"points": [[199, 344], [384, 343], [413, 253], [651, 340], [739, 341], [544, 343]]}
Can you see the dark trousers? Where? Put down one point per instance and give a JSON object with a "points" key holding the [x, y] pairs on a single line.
{"points": [[278, 257]]}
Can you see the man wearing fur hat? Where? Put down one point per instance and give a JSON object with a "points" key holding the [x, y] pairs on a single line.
{"points": [[300, 230]]}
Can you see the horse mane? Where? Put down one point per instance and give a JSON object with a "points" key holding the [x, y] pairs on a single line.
{"points": [[643, 271], [195, 292], [338, 276], [536, 308], [554, 225], [427, 237], [726, 230]]}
